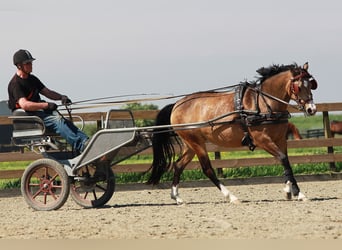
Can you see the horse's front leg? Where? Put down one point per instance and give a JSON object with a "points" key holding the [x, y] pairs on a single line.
{"points": [[291, 186]]}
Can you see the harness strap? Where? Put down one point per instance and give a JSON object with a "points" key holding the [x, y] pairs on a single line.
{"points": [[251, 118], [238, 98]]}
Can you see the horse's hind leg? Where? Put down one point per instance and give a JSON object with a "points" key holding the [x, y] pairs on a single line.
{"points": [[210, 173], [179, 166]]}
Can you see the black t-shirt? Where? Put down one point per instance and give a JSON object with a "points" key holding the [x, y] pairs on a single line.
{"points": [[18, 88]]}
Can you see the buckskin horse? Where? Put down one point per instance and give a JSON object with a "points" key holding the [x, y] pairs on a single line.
{"points": [[255, 115]]}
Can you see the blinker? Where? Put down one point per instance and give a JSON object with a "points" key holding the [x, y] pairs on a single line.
{"points": [[313, 83]]}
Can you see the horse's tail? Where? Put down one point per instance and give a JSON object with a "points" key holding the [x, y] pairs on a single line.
{"points": [[163, 150]]}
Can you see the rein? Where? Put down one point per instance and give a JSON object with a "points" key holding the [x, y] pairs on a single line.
{"points": [[298, 107], [95, 102]]}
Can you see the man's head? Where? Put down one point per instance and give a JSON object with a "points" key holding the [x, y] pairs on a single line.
{"points": [[22, 56], [23, 60]]}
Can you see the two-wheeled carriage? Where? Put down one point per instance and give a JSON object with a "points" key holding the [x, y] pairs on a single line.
{"points": [[88, 177]]}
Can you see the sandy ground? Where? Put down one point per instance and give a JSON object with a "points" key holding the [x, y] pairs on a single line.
{"points": [[142, 212]]}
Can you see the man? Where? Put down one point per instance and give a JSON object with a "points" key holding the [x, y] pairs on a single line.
{"points": [[24, 91]]}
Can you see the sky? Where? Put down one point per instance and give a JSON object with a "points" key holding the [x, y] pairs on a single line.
{"points": [[93, 49]]}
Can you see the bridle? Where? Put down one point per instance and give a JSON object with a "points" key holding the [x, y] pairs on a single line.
{"points": [[303, 78]]}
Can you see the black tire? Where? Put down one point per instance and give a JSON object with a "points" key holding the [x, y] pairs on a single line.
{"points": [[45, 185], [91, 190]]}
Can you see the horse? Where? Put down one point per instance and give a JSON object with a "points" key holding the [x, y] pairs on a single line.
{"points": [[293, 130], [335, 127], [254, 114]]}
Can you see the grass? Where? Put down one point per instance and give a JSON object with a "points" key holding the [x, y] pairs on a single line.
{"points": [[230, 173], [14, 165]]}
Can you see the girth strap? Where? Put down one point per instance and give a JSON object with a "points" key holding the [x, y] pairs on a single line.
{"points": [[267, 118]]}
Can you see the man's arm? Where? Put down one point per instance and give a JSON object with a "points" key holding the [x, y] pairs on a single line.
{"points": [[51, 94], [32, 106]]}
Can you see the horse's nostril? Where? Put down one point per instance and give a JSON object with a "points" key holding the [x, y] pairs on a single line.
{"points": [[311, 111]]}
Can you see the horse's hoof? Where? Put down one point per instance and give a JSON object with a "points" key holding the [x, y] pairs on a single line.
{"points": [[288, 190], [235, 202], [234, 199], [178, 200], [288, 196], [302, 197]]}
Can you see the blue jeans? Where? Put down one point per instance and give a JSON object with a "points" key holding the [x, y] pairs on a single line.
{"points": [[57, 124]]}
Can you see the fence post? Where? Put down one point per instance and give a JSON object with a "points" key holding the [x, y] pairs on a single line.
{"points": [[327, 134], [219, 170]]}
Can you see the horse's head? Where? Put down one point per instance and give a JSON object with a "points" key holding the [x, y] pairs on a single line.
{"points": [[301, 85]]}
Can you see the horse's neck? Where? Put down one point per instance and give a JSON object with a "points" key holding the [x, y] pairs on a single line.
{"points": [[276, 86]]}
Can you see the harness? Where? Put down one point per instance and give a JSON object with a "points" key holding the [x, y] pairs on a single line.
{"points": [[249, 118]]}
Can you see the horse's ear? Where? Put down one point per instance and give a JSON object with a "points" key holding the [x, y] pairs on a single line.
{"points": [[306, 66]]}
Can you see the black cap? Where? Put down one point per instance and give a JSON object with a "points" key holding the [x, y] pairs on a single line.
{"points": [[22, 56]]}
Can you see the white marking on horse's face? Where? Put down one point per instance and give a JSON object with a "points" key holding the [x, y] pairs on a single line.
{"points": [[310, 108]]}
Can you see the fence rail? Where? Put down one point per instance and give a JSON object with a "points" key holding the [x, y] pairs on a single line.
{"points": [[329, 143]]}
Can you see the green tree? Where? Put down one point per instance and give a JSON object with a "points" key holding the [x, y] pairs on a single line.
{"points": [[139, 106]]}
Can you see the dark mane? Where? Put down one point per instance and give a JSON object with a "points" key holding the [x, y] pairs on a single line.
{"points": [[273, 70]]}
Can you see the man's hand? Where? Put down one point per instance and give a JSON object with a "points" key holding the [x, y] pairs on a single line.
{"points": [[51, 106], [65, 100]]}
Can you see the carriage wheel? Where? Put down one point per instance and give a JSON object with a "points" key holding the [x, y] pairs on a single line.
{"points": [[93, 186], [45, 185]]}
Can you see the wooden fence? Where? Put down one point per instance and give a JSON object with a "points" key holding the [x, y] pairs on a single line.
{"points": [[329, 143]]}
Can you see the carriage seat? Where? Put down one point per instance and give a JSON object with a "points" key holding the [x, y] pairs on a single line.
{"points": [[25, 125]]}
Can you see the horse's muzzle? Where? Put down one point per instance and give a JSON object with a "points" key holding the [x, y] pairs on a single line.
{"points": [[310, 108]]}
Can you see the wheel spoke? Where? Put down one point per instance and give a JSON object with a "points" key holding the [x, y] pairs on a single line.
{"points": [[100, 187], [54, 177], [45, 198], [94, 193], [37, 193], [52, 194], [34, 185], [46, 172]]}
